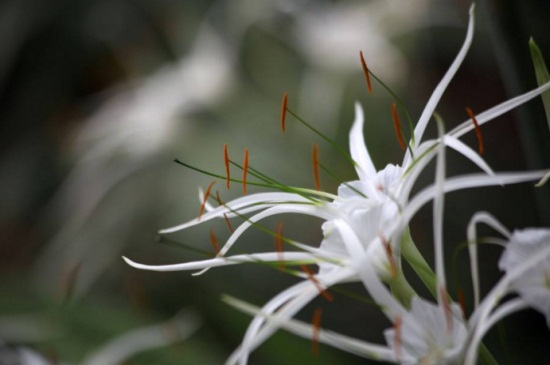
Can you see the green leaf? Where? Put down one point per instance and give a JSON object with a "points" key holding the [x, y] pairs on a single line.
{"points": [[542, 75]]}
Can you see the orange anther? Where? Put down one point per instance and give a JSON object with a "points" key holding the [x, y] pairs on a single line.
{"points": [[283, 112], [397, 127], [365, 71], [477, 129], [228, 223], [245, 169], [214, 241], [226, 161], [316, 324], [315, 162], [279, 244], [314, 280], [206, 195]]}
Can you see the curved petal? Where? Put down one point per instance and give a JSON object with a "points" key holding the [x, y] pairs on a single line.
{"points": [[253, 202], [480, 217], [440, 89], [358, 149], [225, 261], [498, 110], [337, 340], [279, 209], [467, 152]]}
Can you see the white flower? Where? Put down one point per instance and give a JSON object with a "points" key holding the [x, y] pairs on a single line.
{"points": [[533, 285], [363, 229], [428, 335]]}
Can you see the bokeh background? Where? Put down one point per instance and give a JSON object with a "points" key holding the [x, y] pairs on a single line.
{"points": [[98, 97]]}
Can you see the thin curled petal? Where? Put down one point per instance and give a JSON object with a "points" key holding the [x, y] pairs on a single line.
{"points": [[358, 149], [488, 219], [226, 261], [442, 86], [467, 152], [334, 339], [498, 110], [254, 202]]}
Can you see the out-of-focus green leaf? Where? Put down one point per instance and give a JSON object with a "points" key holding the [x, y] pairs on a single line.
{"points": [[542, 75]]}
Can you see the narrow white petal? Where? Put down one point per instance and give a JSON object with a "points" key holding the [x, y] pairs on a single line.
{"points": [[253, 202], [466, 182], [440, 89], [358, 149], [337, 340], [480, 217], [438, 208], [498, 110], [146, 338], [289, 302], [467, 152], [225, 261], [278, 209]]}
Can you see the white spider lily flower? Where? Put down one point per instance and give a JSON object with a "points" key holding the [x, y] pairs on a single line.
{"points": [[428, 335], [534, 284], [362, 230]]}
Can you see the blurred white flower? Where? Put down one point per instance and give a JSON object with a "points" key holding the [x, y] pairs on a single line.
{"points": [[533, 285]]}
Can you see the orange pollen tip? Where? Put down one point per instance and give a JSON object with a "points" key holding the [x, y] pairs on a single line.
{"points": [[314, 280], [214, 241], [228, 223], [245, 169], [315, 162], [446, 308], [283, 112], [279, 244], [206, 195], [397, 127], [316, 324], [218, 198], [477, 129], [226, 161], [366, 72], [398, 335]]}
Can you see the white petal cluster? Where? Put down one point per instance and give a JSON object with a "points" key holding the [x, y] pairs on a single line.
{"points": [[364, 226]]}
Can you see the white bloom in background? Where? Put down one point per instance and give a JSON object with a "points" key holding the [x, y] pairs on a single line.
{"points": [[533, 285], [428, 335]]}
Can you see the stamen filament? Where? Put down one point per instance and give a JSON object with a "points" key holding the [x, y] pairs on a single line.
{"points": [[283, 112], [314, 280], [315, 162], [446, 308], [477, 129], [316, 324], [397, 126], [278, 237], [245, 169], [226, 161], [366, 72], [327, 139], [206, 195]]}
